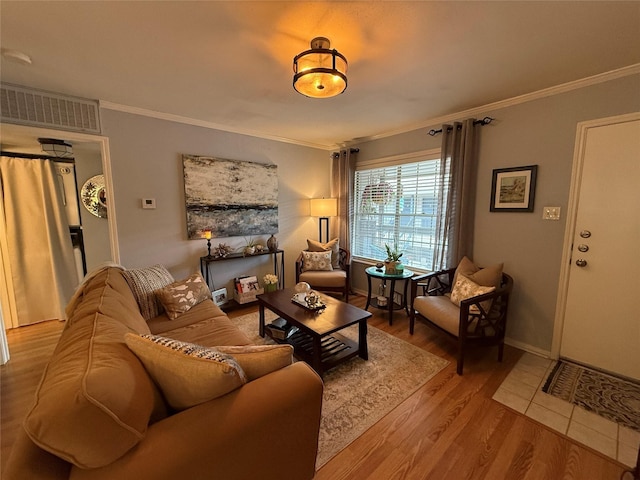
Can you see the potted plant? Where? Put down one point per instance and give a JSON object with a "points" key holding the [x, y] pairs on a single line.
{"points": [[392, 261], [250, 246], [270, 282]]}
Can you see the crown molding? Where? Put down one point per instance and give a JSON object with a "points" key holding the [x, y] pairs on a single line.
{"points": [[205, 124], [527, 97]]}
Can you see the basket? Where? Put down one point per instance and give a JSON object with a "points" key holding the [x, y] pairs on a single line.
{"points": [[247, 297]]}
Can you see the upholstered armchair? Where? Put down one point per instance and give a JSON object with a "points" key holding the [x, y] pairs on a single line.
{"points": [[467, 303], [326, 278]]}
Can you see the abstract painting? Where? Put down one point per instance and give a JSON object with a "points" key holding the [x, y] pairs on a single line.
{"points": [[229, 197]]}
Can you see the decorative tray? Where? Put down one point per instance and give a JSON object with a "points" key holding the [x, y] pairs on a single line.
{"points": [[298, 299]]}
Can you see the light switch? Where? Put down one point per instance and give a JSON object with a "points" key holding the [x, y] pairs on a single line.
{"points": [[551, 213], [149, 203]]}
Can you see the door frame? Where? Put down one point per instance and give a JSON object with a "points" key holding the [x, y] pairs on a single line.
{"points": [[572, 213], [8, 313]]}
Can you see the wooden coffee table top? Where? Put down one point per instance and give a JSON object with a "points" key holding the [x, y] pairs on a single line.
{"points": [[336, 316]]}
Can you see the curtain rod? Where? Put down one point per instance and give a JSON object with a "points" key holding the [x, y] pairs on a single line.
{"points": [[484, 121], [352, 150], [31, 156]]}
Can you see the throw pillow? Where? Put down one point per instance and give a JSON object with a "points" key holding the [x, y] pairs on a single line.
{"points": [[465, 288], [317, 261], [332, 246], [144, 282], [260, 360], [179, 297], [187, 374], [488, 276]]}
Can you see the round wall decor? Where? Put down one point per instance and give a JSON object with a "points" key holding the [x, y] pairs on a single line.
{"points": [[94, 196]]}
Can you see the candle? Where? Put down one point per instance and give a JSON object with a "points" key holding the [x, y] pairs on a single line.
{"points": [[207, 234]]}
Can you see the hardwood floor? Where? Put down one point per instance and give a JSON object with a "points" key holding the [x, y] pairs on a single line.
{"points": [[449, 429]]}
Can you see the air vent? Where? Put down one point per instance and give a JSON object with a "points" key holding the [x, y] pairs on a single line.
{"points": [[37, 108]]}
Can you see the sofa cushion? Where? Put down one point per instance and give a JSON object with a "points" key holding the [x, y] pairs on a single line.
{"points": [[316, 261], [93, 382], [205, 324], [188, 374], [440, 310], [260, 360], [179, 297], [334, 278], [144, 283], [332, 246]]}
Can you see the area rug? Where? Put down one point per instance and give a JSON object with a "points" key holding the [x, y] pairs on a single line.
{"points": [[611, 397], [358, 393]]}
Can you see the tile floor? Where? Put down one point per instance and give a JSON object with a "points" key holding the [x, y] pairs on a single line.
{"points": [[522, 391]]}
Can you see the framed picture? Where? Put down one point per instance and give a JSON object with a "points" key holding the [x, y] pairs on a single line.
{"points": [[220, 296], [513, 189]]}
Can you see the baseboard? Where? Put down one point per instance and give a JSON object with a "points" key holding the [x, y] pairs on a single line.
{"points": [[528, 348]]}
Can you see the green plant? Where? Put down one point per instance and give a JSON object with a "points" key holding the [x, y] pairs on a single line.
{"points": [[392, 255], [250, 243]]}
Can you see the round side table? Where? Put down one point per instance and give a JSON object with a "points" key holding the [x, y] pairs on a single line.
{"points": [[391, 305]]}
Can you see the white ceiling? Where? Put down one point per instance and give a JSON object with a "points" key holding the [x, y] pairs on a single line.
{"points": [[229, 64]]}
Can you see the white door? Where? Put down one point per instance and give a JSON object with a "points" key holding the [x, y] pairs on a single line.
{"points": [[602, 311]]}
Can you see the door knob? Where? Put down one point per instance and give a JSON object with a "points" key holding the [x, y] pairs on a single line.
{"points": [[581, 262]]}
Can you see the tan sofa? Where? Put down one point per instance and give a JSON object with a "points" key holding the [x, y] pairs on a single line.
{"points": [[99, 415]]}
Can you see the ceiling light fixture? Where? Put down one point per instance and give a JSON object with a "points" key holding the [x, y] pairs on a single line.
{"points": [[320, 72], [56, 148]]}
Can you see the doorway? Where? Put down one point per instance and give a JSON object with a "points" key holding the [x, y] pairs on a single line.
{"points": [[597, 320], [24, 139]]}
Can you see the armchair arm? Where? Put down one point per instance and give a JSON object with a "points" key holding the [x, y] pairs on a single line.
{"points": [[434, 283], [494, 315], [298, 267]]}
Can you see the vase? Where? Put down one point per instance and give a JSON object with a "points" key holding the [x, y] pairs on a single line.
{"points": [[270, 287], [391, 268], [272, 243]]}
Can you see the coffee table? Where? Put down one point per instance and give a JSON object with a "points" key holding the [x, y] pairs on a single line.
{"points": [[317, 341]]}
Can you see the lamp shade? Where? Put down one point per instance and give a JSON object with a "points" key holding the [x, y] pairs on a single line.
{"points": [[323, 207], [320, 72]]}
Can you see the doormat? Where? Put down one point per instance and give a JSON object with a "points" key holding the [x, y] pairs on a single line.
{"points": [[611, 397]]}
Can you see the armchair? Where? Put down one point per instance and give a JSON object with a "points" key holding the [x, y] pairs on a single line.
{"points": [[480, 319], [336, 280]]}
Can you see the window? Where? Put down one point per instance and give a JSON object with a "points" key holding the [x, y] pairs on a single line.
{"points": [[399, 205]]}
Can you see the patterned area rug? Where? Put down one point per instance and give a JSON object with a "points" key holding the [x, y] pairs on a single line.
{"points": [[608, 396], [358, 393]]}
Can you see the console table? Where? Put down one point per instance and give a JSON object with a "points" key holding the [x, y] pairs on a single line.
{"points": [[207, 262]]}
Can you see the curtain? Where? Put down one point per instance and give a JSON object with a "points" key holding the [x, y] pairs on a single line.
{"points": [[36, 234], [342, 173], [457, 207]]}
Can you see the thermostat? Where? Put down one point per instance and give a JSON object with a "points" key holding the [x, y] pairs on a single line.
{"points": [[149, 203]]}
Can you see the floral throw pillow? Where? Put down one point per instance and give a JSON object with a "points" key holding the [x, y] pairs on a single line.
{"points": [[316, 261], [466, 288], [333, 246], [179, 297]]}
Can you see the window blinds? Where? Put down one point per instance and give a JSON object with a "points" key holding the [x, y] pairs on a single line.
{"points": [[400, 205]]}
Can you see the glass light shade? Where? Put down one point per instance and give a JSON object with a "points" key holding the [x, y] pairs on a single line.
{"points": [[323, 207], [320, 72], [55, 147]]}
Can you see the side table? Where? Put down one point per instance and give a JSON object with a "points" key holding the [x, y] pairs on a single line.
{"points": [[391, 304]]}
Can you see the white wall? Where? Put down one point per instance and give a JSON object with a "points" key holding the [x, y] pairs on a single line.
{"points": [[541, 132], [146, 163]]}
